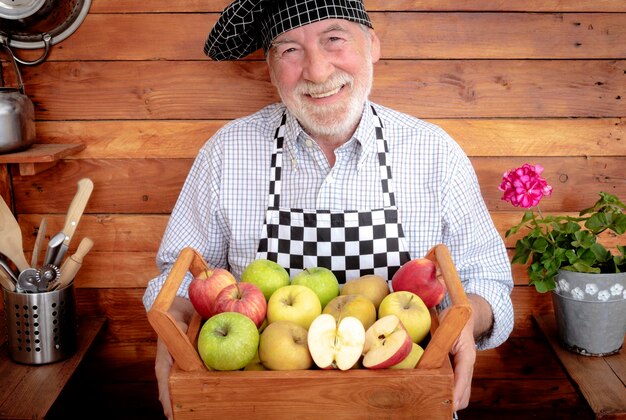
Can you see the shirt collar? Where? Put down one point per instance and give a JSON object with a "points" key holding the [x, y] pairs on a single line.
{"points": [[365, 135]]}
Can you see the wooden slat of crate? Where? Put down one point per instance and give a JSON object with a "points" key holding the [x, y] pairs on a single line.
{"points": [[312, 394]]}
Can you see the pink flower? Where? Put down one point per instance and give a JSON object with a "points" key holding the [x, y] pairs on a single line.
{"points": [[524, 186]]}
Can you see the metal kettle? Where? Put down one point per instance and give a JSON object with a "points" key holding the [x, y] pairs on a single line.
{"points": [[17, 113]]}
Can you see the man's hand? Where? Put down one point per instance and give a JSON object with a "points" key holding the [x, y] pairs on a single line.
{"points": [[162, 367], [463, 350], [464, 357], [181, 311]]}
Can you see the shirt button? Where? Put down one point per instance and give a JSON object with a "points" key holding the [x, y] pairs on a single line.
{"points": [[329, 179], [308, 142]]}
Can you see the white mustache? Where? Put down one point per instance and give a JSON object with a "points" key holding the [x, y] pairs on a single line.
{"points": [[329, 87]]}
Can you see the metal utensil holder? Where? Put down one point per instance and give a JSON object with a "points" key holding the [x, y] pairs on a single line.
{"points": [[41, 327]]}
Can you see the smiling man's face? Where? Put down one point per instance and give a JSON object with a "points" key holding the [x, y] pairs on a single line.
{"points": [[323, 73]]}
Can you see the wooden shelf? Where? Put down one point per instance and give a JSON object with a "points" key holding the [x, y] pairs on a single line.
{"points": [[599, 379], [40, 157]]}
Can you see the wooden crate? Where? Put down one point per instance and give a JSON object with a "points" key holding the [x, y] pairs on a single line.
{"points": [[197, 392]]}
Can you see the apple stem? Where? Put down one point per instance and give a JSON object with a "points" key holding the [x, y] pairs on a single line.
{"points": [[408, 304]]}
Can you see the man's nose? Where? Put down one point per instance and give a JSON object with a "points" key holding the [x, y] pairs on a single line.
{"points": [[317, 67]]}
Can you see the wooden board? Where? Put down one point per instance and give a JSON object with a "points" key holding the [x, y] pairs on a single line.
{"points": [[441, 36], [156, 184], [171, 139], [126, 90], [108, 6]]}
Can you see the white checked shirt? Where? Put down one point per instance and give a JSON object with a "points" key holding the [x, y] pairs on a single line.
{"points": [[221, 209]]}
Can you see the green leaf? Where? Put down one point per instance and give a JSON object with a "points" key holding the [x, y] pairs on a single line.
{"points": [[539, 245], [600, 252]]}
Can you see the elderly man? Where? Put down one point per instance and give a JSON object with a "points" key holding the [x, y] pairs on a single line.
{"points": [[328, 178]]}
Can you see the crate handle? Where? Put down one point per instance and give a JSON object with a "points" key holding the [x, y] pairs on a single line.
{"points": [[446, 333], [178, 343]]}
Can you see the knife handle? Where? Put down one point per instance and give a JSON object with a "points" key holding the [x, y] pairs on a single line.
{"points": [[76, 208], [73, 263]]}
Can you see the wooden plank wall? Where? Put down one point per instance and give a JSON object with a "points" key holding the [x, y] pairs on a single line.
{"points": [[527, 81]]}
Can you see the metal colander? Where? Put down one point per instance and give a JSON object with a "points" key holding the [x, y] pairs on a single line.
{"points": [[25, 23], [19, 9]]}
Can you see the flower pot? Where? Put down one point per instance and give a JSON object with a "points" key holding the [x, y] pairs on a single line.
{"points": [[590, 311]]}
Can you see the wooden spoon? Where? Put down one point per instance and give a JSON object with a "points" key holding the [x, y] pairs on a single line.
{"points": [[11, 238]]}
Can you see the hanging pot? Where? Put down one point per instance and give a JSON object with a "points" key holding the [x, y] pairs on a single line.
{"points": [[36, 24], [17, 113], [590, 312]]}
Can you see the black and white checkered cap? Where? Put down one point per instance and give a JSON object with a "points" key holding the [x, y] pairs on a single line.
{"points": [[247, 25]]}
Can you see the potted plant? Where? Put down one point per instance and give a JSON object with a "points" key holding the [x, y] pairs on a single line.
{"points": [[564, 256]]}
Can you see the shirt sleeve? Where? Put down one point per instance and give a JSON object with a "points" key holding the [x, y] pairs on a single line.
{"points": [[194, 222], [477, 248]]}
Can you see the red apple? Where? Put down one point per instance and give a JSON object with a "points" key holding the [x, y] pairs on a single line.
{"points": [[419, 276], [205, 287], [245, 298], [387, 343]]}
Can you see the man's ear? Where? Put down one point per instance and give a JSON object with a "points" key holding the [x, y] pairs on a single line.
{"points": [[375, 46]]}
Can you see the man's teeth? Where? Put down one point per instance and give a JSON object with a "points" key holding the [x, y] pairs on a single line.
{"points": [[325, 94]]}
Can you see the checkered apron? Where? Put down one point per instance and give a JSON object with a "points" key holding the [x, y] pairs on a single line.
{"points": [[350, 243]]}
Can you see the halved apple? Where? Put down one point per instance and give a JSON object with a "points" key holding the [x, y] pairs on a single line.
{"points": [[387, 343], [411, 360], [336, 344]]}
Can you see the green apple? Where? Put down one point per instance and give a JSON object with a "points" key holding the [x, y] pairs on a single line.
{"points": [[228, 341], [411, 360], [411, 310], [267, 275], [357, 306], [373, 287], [283, 346], [321, 280], [295, 303]]}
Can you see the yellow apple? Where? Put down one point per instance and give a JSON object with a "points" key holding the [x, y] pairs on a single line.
{"points": [[373, 287], [294, 303], [283, 345], [411, 310], [255, 364], [357, 306]]}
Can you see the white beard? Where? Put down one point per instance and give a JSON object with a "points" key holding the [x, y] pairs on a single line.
{"points": [[336, 120]]}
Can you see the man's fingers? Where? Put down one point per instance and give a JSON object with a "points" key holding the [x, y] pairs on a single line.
{"points": [[162, 367]]}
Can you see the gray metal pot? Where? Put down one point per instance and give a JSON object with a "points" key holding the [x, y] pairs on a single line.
{"points": [[17, 113], [590, 312]]}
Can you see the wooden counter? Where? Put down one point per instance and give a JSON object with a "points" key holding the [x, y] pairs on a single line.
{"points": [[601, 380], [28, 391]]}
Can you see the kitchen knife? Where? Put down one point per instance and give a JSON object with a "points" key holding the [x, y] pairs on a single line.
{"points": [[74, 213], [54, 244]]}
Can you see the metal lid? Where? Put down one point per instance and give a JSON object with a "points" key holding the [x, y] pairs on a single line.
{"points": [[19, 9], [56, 18]]}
